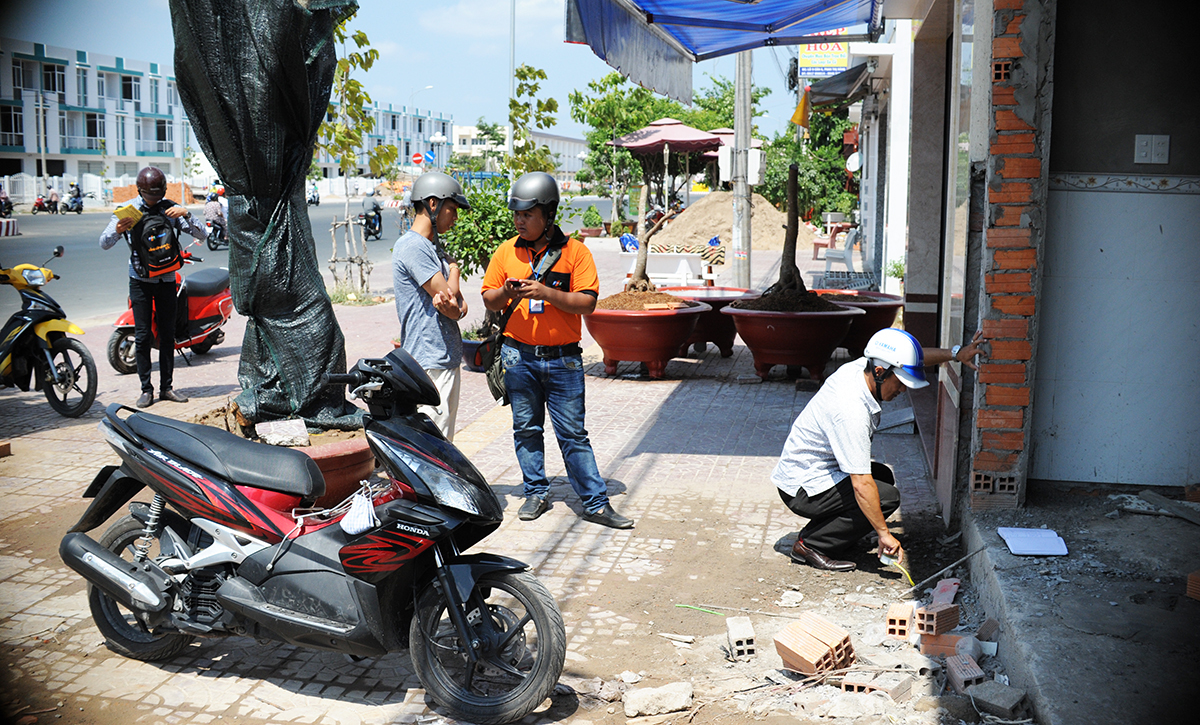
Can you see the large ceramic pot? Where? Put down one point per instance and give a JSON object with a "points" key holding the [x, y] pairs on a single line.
{"points": [[712, 326], [881, 309], [792, 338], [470, 347], [343, 464], [649, 336]]}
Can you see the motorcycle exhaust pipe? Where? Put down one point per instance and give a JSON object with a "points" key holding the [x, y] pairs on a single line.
{"points": [[134, 585]]}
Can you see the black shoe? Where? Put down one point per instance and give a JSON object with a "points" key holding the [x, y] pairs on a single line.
{"points": [[610, 518], [146, 400], [801, 553], [533, 507], [172, 396]]}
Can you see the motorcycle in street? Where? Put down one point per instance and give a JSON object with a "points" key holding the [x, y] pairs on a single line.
{"points": [[230, 545], [6, 208], [314, 197], [217, 239], [75, 203], [372, 224], [34, 342], [204, 304], [41, 204]]}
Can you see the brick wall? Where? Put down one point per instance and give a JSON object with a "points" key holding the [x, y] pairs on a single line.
{"points": [[122, 194], [1022, 49]]}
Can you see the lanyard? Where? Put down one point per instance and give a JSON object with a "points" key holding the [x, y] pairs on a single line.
{"points": [[541, 268]]}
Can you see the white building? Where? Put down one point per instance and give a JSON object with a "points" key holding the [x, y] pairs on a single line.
{"points": [[411, 132], [566, 150]]}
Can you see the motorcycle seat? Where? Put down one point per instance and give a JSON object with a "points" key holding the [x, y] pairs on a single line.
{"points": [[206, 282], [235, 459]]}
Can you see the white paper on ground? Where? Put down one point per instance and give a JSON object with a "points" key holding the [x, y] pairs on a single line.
{"points": [[1033, 542]]}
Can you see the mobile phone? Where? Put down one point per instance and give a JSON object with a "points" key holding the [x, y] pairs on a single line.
{"points": [[512, 283]]}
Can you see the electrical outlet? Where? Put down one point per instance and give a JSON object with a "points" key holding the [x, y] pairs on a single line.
{"points": [[1142, 144], [1160, 151]]}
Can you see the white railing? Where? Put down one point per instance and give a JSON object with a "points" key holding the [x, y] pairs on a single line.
{"points": [[157, 146], [9, 138], [81, 142]]}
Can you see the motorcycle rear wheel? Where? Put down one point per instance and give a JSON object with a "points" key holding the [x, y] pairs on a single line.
{"points": [[74, 363], [207, 343], [123, 632], [122, 351], [520, 659]]}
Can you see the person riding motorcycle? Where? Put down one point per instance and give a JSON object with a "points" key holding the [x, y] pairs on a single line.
{"points": [[372, 216], [6, 205], [214, 213]]}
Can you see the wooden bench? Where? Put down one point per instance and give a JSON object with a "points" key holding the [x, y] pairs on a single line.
{"points": [[674, 269]]}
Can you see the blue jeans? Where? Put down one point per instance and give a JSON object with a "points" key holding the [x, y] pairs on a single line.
{"points": [[535, 384]]}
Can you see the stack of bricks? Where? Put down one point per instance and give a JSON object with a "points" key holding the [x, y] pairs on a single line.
{"points": [[963, 671], [1193, 585], [937, 618], [812, 645], [1017, 179]]}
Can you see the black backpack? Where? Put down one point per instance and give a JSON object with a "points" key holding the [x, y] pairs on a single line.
{"points": [[155, 245]]}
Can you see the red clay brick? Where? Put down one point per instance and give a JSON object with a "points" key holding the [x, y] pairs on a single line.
{"points": [[993, 501], [5, 449], [1007, 48], [937, 618], [939, 644], [1011, 148], [802, 652], [1193, 584], [898, 623], [1010, 350], [1008, 237], [1011, 441], [1015, 258], [1014, 305], [998, 395], [1014, 26], [1001, 373], [1016, 167], [987, 631], [1009, 216], [995, 462], [1192, 493], [836, 638], [1013, 282], [963, 671], [1009, 121], [993, 329], [1008, 4], [1016, 192], [1003, 96], [1000, 418]]}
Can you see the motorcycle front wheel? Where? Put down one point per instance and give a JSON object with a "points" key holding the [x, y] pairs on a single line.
{"points": [[34, 211], [76, 370], [122, 351], [519, 656], [123, 632]]}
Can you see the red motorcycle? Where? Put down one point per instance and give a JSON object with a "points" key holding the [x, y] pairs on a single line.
{"points": [[42, 204], [204, 306]]}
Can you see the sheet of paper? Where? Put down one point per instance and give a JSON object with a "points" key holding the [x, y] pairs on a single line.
{"points": [[128, 212], [1033, 542]]}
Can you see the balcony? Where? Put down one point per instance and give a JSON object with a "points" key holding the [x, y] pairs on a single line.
{"points": [[77, 144], [156, 148], [9, 138]]}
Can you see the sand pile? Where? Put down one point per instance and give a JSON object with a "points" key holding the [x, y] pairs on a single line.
{"points": [[712, 216]]}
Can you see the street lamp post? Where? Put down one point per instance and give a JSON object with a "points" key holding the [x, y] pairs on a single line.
{"points": [[408, 107]]}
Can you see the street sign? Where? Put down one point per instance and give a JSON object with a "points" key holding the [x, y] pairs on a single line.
{"points": [[429, 158], [418, 159]]}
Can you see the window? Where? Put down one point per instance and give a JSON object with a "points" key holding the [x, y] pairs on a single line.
{"points": [[127, 168], [131, 90], [54, 78], [22, 77], [12, 126], [94, 126], [54, 167], [443, 128], [100, 88], [393, 122], [153, 95], [407, 149], [163, 131], [81, 81], [91, 167], [62, 128], [172, 97], [420, 125], [121, 143]]}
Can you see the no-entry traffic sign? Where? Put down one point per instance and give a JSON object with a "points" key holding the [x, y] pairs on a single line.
{"points": [[418, 159]]}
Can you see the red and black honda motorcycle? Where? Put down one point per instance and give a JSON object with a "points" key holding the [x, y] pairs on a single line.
{"points": [[230, 546]]}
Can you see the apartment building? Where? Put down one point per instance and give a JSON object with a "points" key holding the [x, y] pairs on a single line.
{"points": [[568, 152]]}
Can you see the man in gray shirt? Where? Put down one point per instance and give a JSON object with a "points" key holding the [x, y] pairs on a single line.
{"points": [[428, 301]]}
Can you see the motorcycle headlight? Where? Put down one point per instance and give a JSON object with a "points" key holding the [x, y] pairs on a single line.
{"points": [[34, 277], [451, 490]]}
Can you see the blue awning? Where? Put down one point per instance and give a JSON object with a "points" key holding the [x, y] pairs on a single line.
{"points": [[654, 42]]}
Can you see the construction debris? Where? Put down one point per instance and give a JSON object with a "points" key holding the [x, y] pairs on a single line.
{"points": [[658, 700], [962, 671], [741, 637], [1000, 700]]}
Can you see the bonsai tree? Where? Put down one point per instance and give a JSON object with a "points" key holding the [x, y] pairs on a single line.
{"points": [[639, 281], [789, 274], [592, 218]]}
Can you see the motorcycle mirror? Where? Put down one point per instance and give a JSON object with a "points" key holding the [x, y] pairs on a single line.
{"points": [[59, 251]]}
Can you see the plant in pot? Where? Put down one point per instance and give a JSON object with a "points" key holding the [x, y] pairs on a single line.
{"points": [[593, 223], [642, 324], [788, 324]]}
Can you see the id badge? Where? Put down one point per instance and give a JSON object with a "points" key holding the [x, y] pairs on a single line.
{"points": [[537, 307]]}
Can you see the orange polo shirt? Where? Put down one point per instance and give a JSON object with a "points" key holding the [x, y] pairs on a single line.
{"points": [[575, 271]]}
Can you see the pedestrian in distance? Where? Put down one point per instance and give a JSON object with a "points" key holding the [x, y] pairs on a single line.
{"points": [[551, 282], [428, 301], [52, 201], [826, 473], [152, 297]]}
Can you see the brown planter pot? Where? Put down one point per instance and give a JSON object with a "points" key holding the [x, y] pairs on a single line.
{"points": [[792, 338], [712, 326], [649, 336], [343, 464], [881, 309], [591, 232]]}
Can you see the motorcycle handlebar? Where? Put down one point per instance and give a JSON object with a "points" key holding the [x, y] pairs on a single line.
{"points": [[351, 378]]}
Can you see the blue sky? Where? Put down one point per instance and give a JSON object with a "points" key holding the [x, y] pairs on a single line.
{"points": [[460, 47]]}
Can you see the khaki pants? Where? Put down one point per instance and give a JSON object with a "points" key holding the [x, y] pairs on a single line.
{"points": [[449, 383]]}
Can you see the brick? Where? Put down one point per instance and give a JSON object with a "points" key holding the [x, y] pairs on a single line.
{"points": [[1008, 4], [1007, 120], [981, 483], [898, 622], [1000, 418], [1008, 238], [1005, 147], [897, 686], [1005, 96], [1192, 493], [1193, 584], [1001, 372], [994, 698], [994, 329], [1007, 48], [994, 462], [802, 652], [1013, 192], [1016, 167], [858, 681], [834, 637], [1014, 26], [1005, 441], [937, 618], [939, 645], [1009, 216], [993, 502], [1008, 282], [963, 671], [999, 395], [1022, 305], [1014, 258], [987, 631], [5, 449], [741, 636], [1010, 350]]}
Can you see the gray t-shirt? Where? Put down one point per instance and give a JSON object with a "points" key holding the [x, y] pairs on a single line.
{"points": [[429, 336], [831, 437]]}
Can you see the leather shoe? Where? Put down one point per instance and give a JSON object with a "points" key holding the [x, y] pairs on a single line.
{"points": [[146, 400], [814, 558], [533, 507], [172, 396], [610, 518]]}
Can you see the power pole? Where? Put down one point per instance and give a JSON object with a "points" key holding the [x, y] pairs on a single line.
{"points": [[741, 169]]}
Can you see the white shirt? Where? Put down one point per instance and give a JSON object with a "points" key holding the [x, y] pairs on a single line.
{"points": [[831, 437]]}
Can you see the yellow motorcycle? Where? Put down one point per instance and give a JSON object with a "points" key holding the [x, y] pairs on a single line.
{"points": [[35, 342]]}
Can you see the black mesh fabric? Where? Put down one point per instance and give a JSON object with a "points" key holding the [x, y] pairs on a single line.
{"points": [[254, 77]]}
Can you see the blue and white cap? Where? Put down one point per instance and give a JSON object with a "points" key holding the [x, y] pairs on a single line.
{"points": [[899, 352]]}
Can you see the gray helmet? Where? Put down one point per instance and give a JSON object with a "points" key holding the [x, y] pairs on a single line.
{"points": [[436, 185], [536, 188]]}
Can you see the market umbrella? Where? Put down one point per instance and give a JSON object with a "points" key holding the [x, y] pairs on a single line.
{"points": [[666, 134], [726, 136]]}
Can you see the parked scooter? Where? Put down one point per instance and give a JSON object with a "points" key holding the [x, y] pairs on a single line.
{"points": [[314, 197], [231, 546], [217, 238], [203, 306], [75, 203], [372, 224], [35, 341]]}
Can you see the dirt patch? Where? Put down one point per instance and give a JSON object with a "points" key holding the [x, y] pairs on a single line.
{"points": [[639, 300], [226, 418], [789, 301], [713, 216]]}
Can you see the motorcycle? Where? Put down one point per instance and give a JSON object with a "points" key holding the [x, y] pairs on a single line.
{"points": [[75, 203], [314, 197], [42, 204], [203, 306], [372, 224], [35, 341], [230, 545], [6, 208], [216, 239]]}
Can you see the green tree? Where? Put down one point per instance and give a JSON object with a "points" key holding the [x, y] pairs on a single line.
{"points": [[494, 139], [822, 169], [480, 231], [714, 105], [526, 112], [343, 136]]}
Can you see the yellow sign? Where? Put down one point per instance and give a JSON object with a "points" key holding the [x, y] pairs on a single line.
{"points": [[824, 59]]}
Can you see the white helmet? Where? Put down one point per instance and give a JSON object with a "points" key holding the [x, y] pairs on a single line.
{"points": [[899, 352]]}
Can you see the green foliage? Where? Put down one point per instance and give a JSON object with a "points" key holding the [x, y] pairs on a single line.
{"points": [[477, 331], [894, 269], [191, 162], [822, 175], [342, 138], [592, 218], [465, 162], [346, 293], [480, 231], [714, 105], [526, 112], [314, 170]]}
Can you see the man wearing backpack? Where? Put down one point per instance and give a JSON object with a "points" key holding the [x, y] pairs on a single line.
{"points": [[152, 279]]}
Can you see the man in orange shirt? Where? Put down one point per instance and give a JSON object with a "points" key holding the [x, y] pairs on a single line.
{"points": [[552, 281]]}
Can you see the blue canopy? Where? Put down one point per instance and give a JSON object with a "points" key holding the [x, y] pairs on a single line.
{"points": [[654, 42]]}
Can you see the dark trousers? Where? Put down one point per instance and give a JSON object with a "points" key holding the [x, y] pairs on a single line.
{"points": [[157, 299], [835, 522]]}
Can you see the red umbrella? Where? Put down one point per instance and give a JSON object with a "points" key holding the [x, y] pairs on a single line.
{"points": [[669, 133]]}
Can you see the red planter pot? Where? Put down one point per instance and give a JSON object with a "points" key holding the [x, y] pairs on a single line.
{"points": [[649, 336], [792, 338], [712, 326], [343, 464], [881, 309]]}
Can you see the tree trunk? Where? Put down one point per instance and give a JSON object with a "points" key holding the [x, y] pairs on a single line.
{"points": [[789, 274]]}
